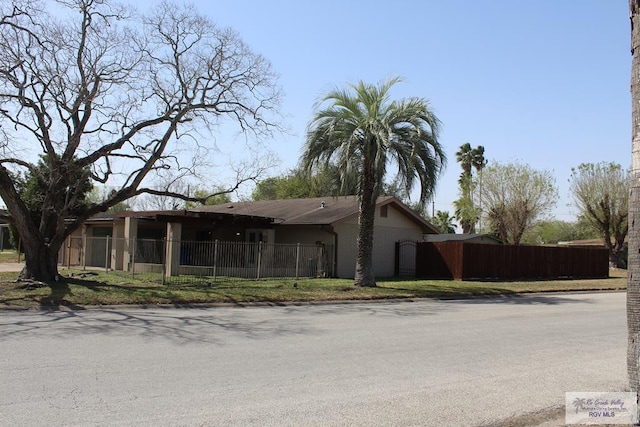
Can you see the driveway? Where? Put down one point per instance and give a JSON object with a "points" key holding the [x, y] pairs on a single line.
{"points": [[472, 362], [11, 266]]}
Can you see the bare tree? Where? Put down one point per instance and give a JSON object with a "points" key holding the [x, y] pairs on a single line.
{"points": [[601, 192], [121, 96], [515, 196]]}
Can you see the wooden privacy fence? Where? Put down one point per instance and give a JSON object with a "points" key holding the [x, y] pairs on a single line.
{"points": [[466, 261]]}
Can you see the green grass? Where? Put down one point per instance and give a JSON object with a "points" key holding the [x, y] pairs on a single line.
{"points": [[99, 288], [10, 256]]}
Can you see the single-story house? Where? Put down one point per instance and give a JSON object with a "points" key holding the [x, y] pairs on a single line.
{"points": [[329, 222]]}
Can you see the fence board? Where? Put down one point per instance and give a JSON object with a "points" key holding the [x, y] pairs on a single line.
{"points": [[466, 261]]}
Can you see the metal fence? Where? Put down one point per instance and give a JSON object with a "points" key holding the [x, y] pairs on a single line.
{"points": [[189, 261]]}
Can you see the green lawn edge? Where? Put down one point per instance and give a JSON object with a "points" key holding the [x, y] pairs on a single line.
{"points": [[88, 289]]}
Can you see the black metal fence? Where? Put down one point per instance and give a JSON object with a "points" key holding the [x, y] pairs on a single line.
{"points": [[189, 261]]}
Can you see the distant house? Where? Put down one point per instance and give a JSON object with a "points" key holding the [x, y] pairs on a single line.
{"points": [[585, 243], [599, 242], [466, 238], [328, 222]]}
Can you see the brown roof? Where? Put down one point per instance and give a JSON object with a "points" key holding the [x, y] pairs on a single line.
{"points": [[184, 214], [318, 210]]}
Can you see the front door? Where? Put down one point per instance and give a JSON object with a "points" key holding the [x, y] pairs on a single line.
{"points": [[254, 237]]}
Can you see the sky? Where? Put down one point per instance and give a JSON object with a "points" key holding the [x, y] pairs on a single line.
{"points": [[544, 83]]}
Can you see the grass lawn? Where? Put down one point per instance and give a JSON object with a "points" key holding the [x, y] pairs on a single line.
{"points": [[99, 288], [10, 256]]}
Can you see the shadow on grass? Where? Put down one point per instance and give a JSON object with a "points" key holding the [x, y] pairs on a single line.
{"points": [[153, 294], [59, 296], [76, 292], [439, 291]]}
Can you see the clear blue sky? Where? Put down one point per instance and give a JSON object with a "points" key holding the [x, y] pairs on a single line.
{"points": [[544, 83]]}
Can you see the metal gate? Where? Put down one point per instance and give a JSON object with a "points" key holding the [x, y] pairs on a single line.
{"points": [[406, 258]]}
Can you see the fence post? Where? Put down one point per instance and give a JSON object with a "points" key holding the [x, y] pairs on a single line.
{"points": [[84, 251], [215, 258], [259, 259], [133, 259], [106, 256], [297, 260]]}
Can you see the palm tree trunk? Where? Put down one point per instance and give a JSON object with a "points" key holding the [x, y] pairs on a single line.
{"points": [[633, 285], [364, 245]]}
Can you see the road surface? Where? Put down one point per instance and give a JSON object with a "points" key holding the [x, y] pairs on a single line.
{"points": [[427, 363]]}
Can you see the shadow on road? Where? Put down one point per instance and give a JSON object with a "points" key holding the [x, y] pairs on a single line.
{"points": [[522, 299], [220, 326], [190, 326]]}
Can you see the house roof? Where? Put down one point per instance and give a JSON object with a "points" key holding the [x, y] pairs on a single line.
{"points": [[191, 215], [177, 216], [590, 242], [317, 210]]}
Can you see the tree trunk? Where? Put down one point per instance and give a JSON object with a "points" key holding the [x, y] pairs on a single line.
{"points": [[41, 262], [40, 258], [364, 263], [633, 285], [364, 257]]}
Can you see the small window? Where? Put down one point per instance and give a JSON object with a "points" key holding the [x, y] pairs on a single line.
{"points": [[383, 211]]}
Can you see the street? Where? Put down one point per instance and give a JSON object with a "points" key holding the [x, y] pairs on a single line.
{"points": [[427, 363]]}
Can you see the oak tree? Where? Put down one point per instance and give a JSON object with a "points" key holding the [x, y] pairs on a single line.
{"points": [[112, 96]]}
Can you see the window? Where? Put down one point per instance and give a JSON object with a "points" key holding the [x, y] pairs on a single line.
{"points": [[383, 211]]}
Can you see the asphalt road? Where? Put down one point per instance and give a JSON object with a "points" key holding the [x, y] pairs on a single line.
{"points": [[428, 363]]}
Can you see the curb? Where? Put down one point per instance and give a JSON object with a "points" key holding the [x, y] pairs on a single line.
{"points": [[250, 304]]}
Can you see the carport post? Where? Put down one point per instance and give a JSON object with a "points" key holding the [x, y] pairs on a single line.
{"points": [[164, 260], [106, 255]]}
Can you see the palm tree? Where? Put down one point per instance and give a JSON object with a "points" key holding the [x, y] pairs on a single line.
{"points": [[633, 285], [466, 211], [363, 133], [444, 222], [479, 162], [464, 156]]}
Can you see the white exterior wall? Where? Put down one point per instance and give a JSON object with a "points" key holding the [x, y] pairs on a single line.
{"points": [[388, 231], [304, 235], [346, 259]]}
